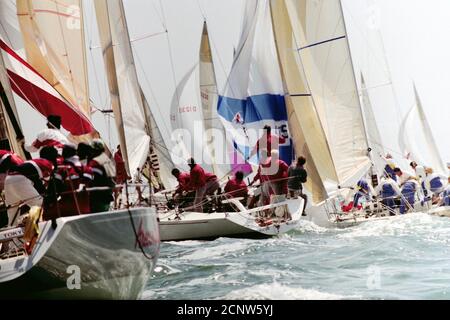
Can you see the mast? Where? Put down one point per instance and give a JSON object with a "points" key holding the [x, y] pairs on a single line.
{"points": [[11, 128], [132, 120]]}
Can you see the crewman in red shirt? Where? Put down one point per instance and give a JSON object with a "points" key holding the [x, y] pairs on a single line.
{"points": [[184, 185], [203, 183], [279, 178], [267, 142], [236, 187]]}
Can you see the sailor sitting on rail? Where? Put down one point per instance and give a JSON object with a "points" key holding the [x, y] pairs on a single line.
{"points": [[388, 189], [26, 183], [409, 190], [434, 183]]}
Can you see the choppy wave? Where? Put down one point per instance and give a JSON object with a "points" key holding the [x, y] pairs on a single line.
{"points": [[276, 291], [405, 257]]}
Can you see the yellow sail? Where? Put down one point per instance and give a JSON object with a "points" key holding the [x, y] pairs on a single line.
{"points": [[320, 39], [53, 33], [308, 136]]}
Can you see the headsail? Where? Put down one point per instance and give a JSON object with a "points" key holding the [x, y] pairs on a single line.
{"points": [[254, 94], [321, 39], [416, 138], [53, 33], [125, 92]]}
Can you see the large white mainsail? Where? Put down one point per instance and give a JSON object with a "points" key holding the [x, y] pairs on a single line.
{"points": [[416, 138], [53, 33], [320, 34], [125, 92]]}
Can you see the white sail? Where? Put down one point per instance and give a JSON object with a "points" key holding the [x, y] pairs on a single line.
{"points": [[320, 34], [171, 79], [367, 46], [373, 134], [125, 92], [53, 33], [417, 140], [308, 136], [215, 134]]}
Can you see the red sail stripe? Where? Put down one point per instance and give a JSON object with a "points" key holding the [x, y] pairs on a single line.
{"points": [[48, 104], [73, 120]]}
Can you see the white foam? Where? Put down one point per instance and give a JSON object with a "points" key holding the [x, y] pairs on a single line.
{"points": [[408, 224], [216, 251], [276, 291]]}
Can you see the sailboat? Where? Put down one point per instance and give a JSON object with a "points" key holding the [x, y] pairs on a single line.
{"points": [[108, 255], [260, 222], [324, 105]]}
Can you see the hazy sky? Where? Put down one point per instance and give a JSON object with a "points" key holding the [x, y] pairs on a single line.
{"points": [[415, 34]]}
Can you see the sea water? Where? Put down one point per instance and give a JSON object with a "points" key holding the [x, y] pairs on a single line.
{"points": [[406, 257]]}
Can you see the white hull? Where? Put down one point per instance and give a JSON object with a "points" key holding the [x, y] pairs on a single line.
{"points": [[318, 215], [103, 246], [440, 211], [199, 226]]}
